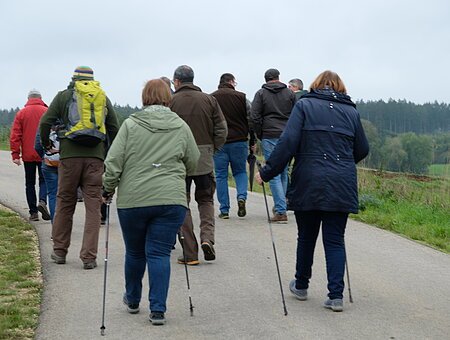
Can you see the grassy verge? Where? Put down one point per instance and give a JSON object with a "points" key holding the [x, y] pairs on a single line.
{"points": [[442, 170], [4, 145], [20, 277]]}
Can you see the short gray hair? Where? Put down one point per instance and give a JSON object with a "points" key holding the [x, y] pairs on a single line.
{"points": [[184, 73], [296, 82], [34, 94]]}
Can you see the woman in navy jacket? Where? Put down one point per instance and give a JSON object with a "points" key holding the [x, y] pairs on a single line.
{"points": [[325, 136]]}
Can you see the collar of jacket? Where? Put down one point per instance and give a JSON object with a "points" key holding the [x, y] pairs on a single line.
{"points": [[35, 101], [187, 87], [330, 95], [225, 86]]}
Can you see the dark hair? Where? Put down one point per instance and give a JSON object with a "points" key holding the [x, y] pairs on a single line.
{"points": [[296, 82], [184, 74], [329, 79], [272, 74], [226, 78], [156, 92]]}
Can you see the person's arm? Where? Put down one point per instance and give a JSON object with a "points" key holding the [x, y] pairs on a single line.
{"points": [[115, 160], [38, 146], [191, 153], [256, 115], [360, 143], [54, 112], [220, 125], [111, 122], [15, 139]]}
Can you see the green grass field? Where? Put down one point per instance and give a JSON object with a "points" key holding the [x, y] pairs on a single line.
{"points": [[442, 170]]}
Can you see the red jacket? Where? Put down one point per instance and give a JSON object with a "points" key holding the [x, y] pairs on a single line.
{"points": [[23, 133]]}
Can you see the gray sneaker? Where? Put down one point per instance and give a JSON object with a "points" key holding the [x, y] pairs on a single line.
{"points": [[58, 259], [300, 294], [336, 305], [89, 265], [42, 208]]}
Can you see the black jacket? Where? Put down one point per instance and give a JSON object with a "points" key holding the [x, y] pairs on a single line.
{"points": [[326, 138], [271, 108]]}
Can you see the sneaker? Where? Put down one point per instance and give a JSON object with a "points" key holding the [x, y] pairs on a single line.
{"points": [[336, 305], [279, 218], [58, 259], [157, 318], [188, 261], [224, 216], [241, 208], [42, 208], [33, 217], [208, 251], [90, 265], [132, 308], [300, 294]]}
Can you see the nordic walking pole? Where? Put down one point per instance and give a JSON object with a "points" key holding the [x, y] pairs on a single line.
{"points": [[102, 328], [191, 307], [348, 277], [273, 245]]}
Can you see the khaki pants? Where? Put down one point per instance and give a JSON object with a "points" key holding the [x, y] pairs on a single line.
{"points": [[86, 173], [205, 185]]}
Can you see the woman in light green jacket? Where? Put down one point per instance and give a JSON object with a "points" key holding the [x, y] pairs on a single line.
{"points": [[148, 161]]}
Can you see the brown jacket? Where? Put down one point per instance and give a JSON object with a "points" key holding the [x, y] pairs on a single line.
{"points": [[205, 118]]}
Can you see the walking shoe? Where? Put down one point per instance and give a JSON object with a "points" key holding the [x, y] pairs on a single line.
{"points": [[132, 308], [157, 318], [224, 216], [103, 221], [33, 217], [90, 265], [300, 294], [58, 259], [241, 208], [188, 261], [42, 208], [279, 218], [336, 305], [208, 251]]}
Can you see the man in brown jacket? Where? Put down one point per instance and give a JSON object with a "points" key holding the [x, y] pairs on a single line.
{"points": [[205, 118]]}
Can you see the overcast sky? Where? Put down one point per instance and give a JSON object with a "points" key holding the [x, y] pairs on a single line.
{"points": [[381, 49]]}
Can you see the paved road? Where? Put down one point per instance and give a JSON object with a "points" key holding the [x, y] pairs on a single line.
{"points": [[401, 289]]}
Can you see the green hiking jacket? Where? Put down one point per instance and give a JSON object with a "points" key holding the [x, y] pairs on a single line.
{"points": [[58, 110], [150, 158]]}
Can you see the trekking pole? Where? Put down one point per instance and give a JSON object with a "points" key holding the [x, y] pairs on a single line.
{"points": [[191, 307], [273, 245], [348, 277], [102, 328]]}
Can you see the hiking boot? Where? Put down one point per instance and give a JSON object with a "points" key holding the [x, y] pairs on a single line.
{"points": [[208, 251], [241, 208], [33, 217], [132, 308], [90, 265], [157, 318], [58, 259], [300, 294], [279, 218], [336, 305], [42, 208], [224, 216], [188, 261]]}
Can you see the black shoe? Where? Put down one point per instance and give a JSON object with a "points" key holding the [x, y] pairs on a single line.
{"points": [[58, 259], [90, 265], [132, 308], [224, 216], [241, 208], [208, 251], [103, 221], [33, 217], [157, 318], [42, 208]]}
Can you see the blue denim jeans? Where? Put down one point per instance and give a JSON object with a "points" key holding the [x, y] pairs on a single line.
{"points": [[149, 234], [333, 229], [30, 183], [50, 174], [234, 154], [278, 184]]}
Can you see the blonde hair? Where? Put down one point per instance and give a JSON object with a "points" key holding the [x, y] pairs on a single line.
{"points": [[156, 92], [329, 79]]}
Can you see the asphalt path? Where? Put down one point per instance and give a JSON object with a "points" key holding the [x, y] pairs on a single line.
{"points": [[401, 289]]}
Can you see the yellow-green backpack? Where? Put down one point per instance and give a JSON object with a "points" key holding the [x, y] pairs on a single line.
{"points": [[87, 113]]}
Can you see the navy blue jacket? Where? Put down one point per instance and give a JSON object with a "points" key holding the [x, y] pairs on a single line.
{"points": [[325, 136]]}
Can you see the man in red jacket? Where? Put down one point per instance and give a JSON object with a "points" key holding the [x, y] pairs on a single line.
{"points": [[23, 135]]}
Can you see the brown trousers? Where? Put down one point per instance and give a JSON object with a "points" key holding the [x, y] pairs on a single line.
{"points": [[205, 185], [86, 173]]}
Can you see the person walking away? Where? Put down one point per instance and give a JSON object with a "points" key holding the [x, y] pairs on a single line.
{"points": [[325, 136], [23, 134], [235, 150], [296, 86], [88, 116], [271, 108], [205, 118], [148, 161]]}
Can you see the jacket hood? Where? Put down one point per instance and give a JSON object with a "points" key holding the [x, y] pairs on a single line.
{"points": [[35, 101], [225, 86], [274, 87], [330, 95], [188, 86], [157, 118]]}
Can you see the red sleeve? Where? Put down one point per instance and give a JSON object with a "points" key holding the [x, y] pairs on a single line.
{"points": [[15, 140]]}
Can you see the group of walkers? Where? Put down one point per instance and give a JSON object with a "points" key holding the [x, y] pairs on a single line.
{"points": [[186, 136]]}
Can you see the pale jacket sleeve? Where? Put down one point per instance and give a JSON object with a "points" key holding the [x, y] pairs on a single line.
{"points": [[191, 154]]}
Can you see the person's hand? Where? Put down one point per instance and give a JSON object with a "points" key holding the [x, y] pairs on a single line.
{"points": [[107, 197], [258, 178], [17, 161]]}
